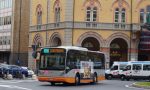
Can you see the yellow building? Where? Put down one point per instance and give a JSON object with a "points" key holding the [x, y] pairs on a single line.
{"points": [[110, 26]]}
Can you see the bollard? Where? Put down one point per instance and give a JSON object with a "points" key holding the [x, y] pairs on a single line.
{"points": [[23, 76], [9, 77], [34, 77]]}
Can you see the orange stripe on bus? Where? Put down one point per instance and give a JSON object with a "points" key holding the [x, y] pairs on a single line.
{"points": [[57, 79], [67, 79]]}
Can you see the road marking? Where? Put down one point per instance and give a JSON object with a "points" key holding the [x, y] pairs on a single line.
{"points": [[17, 81], [10, 81], [14, 87]]}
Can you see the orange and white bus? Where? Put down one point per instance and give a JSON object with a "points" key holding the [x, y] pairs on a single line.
{"points": [[71, 64]]}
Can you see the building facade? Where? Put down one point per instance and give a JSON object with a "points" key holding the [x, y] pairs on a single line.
{"points": [[110, 26], [14, 27]]}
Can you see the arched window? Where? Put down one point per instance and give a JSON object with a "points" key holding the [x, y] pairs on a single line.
{"points": [[123, 16], [148, 14], [39, 14], [120, 15], [91, 14], [117, 15], [37, 40], [57, 14], [148, 9], [144, 14]]}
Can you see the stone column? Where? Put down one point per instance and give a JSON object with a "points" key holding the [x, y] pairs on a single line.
{"points": [[133, 51], [69, 11], [106, 50], [132, 54]]}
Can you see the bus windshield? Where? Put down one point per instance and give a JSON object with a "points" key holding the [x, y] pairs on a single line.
{"points": [[52, 59]]}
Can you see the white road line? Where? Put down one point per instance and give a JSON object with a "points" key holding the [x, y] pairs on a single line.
{"points": [[17, 81], [10, 81], [14, 87], [130, 86]]}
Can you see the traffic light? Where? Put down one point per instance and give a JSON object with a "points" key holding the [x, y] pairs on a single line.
{"points": [[34, 47], [34, 54]]}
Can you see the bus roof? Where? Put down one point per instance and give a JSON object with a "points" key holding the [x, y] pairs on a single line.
{"points": [[70, 47], [74, 48], [95, 51]]}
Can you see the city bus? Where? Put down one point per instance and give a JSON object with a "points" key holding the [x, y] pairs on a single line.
{"points": [[71, 64]]}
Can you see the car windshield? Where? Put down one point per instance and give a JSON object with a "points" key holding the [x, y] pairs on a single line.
{"points": [[122, 67]]}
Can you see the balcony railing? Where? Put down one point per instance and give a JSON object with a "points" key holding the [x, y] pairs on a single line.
{"points": [[86, 25]]}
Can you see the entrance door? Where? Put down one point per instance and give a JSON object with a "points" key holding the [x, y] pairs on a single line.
{"points": [[118, 50]]}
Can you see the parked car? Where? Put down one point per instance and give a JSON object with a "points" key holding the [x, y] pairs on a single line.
{"points": [[2, 69], [30, 72], [15, 71]]}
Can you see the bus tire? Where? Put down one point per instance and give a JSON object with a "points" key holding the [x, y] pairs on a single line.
{"points": [[77, 79], [95, 80], [52, 84]]}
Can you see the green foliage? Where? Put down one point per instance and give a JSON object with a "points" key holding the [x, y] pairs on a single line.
{"points": [[143, 84]]}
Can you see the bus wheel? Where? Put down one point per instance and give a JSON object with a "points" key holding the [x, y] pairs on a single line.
{"points": [[52, 84], [122, 78], [77, 80], [95, 80]]}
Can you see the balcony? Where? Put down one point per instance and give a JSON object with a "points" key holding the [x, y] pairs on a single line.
{"points": [[86, 25], [5, 47]]}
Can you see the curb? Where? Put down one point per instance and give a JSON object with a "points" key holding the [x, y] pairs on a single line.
{"points": [[138, 86]]}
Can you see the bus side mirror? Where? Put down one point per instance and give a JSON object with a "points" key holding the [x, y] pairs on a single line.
{"points": [[67, 69]]}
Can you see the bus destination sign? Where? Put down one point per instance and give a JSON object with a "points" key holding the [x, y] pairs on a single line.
{"points": [[53, 50]]}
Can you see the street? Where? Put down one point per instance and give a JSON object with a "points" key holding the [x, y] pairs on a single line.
{"points": [[36, 85]]}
